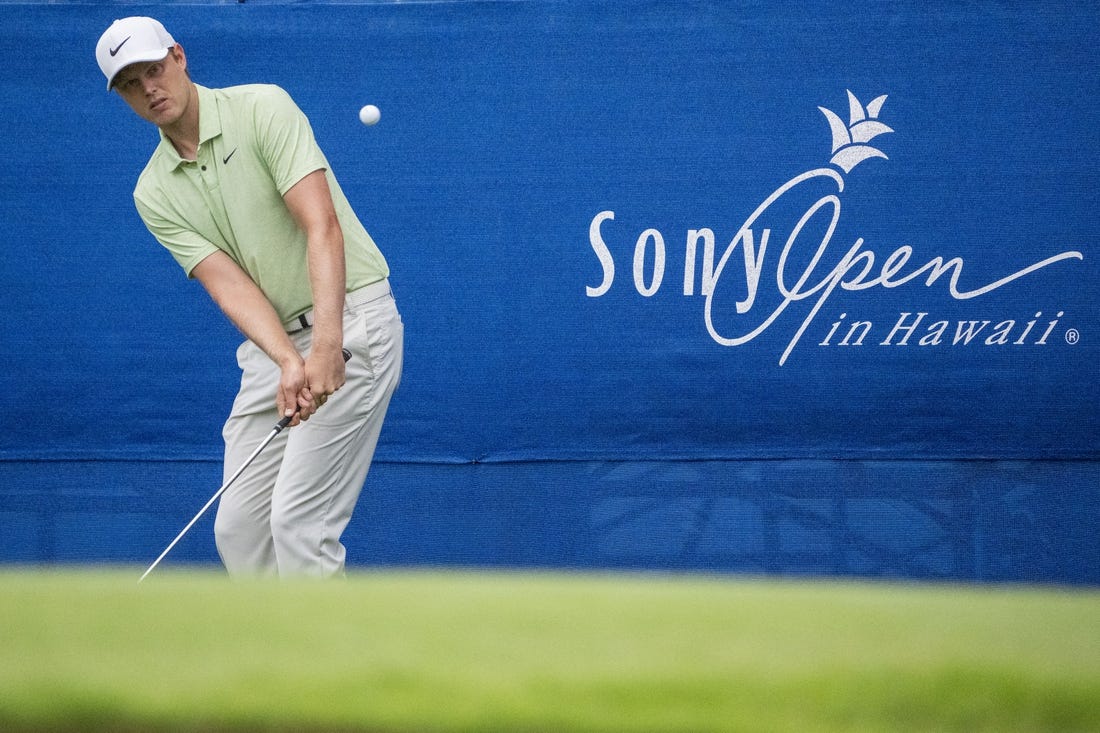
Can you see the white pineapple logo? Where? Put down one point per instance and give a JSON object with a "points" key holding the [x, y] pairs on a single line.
{"points": [[849, 141]]}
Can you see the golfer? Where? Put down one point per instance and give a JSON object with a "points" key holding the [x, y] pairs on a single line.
{"points": [[241, 195]]}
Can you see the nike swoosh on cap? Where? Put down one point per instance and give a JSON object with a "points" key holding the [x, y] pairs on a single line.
{"points": [[117, 48]]}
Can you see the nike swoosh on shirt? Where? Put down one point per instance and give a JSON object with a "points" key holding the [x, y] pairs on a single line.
{"points": [[117, 48], [226, 158]]}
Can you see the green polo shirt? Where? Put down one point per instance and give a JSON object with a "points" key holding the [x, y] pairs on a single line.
{"points": [[254, 145]]}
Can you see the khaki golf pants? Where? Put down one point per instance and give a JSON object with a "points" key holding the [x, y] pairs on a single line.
{"points": [[285, 514]]}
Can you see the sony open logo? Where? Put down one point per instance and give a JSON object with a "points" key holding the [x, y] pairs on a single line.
{"points": [[762, 278]]}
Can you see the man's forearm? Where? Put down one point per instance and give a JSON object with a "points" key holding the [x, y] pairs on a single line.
{"points": [[242, 301], [310, 203], [327, 278]]}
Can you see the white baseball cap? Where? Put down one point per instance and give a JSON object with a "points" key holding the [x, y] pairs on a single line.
{"points": [[130, 41]]}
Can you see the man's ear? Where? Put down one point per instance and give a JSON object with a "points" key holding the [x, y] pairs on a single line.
{"points": [[179, 55]]}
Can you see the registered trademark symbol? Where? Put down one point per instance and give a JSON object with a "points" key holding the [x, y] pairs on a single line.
{"points": [[1073, 336]]}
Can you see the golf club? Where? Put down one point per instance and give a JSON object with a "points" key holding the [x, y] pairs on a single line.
{"points": [[270, 436]]}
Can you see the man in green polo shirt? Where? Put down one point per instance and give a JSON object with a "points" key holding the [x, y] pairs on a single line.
{"points": [[243, 198]]}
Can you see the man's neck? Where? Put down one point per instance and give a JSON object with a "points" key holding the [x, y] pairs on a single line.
{"points": [[184, 132]]}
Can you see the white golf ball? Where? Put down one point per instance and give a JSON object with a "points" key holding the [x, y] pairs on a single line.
{"points": [[369, 114]]}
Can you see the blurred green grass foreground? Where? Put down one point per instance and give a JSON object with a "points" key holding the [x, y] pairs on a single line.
{"points": [[390, 652]]}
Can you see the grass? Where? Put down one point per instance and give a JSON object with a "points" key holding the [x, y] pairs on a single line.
{"points": [[465, 651]]}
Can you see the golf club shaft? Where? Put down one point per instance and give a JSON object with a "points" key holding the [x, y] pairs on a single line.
{"points": [[271, 436]]}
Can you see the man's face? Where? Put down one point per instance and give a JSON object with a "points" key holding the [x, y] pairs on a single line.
{"points": [[159, 91]]}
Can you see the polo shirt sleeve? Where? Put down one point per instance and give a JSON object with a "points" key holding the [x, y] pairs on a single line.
{"points": [[286, 140], [186, 246]]}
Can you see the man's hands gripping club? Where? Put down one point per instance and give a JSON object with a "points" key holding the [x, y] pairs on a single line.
{"points": [[306, 384]]}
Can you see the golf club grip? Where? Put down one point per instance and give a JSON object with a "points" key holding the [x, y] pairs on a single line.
{"points": [[286, 420]]}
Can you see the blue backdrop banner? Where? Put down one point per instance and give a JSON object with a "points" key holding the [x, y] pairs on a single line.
{"points": [[738, 286]]}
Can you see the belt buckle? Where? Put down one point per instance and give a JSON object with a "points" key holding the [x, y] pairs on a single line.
{"points": [[303, 324]]}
